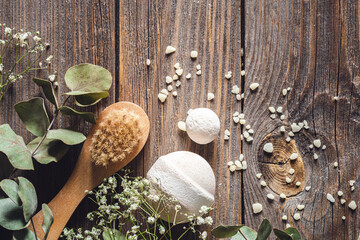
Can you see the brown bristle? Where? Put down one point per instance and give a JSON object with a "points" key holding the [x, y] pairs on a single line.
{"points": [[115, 137]]}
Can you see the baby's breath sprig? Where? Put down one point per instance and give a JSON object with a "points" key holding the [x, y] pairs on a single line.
{"points": [[140, 203], [21, 47]]}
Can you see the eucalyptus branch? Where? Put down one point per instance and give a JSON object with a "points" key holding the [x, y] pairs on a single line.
{"points": [[33, 226]]}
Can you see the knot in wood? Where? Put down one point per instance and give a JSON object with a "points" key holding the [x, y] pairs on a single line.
{"points": [[275, 167]]}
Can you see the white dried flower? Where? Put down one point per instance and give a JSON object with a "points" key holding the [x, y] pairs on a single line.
{"points": [[151, 220]]}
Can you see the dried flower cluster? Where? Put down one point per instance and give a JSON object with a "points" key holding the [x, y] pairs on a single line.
{"points": [[139, 203], [21, 48]]}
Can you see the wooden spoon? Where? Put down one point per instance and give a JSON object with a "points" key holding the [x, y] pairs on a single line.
{"points": [[87, 175]]}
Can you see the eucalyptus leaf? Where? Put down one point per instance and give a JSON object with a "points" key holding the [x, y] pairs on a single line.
{"points": [[248, 233], [88, 78], [238, 236], [11, 215], [294, 233], [13, 146], [5, 166], [33, 114], [11, 188], [113, 234], [282, 235], [50, 150], [67, 136], [48, 219], [224, 231], [48, 90], [28, 197], [264, 230], [90, 99], [24, 234], [87, 116]]}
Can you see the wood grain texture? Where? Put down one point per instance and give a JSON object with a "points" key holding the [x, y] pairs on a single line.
{"points": [[79, 32], [312, 47]]}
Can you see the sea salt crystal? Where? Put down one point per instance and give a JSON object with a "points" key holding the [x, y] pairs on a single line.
{"points": [[170, 49], [254, 86], [182, 125], [317, 143], [257, 208], [330, 198], [268, 147], [352, 205]]}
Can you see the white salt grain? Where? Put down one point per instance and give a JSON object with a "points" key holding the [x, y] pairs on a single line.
{"points": [[198, 67], [169, 88], [232, 168], [288, 180], [352, 182], [315, 156], [251, 131], [293, 156], [352, 205], [342, 201], [230, 163], [246, 134], [257, 208], [210, 96], [282, 129], [272, 109], [282, 196], [227, 132], [168, 79], [182, 125], [263, 183], [336, 164], [282, 117], [343, 218], [178, 83], [254, 86], [193, 54], [272, 116], [170, 49], [242, 73], [244, 165], [317, 143], [177, 65], [248, 126], [291, 171], [242, 121], [279, 109], [270, 196], [241, 115], [295, 128], [198, 72], [174, 93], [300, 207], [287, 225], [340, 193], [291, 134], [298, 184], [175, 77], [148, 62], [323, 147], [179, 72], [258, 175], [238, 97], [284, 218], [249, 139], [288, 139], [188, 76], [241, 157], [284, 92], [162, 97], [307, 188], [311, 146], [330, 198], [268, 147], [297, 216]]}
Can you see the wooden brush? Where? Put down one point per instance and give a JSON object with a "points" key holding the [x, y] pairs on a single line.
{"points": [[119, 135]]}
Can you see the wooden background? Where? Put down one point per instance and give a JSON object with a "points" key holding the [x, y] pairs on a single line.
{"points": [[311, 46]]}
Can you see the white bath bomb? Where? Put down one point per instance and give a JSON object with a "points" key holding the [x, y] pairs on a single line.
{"points": [[188, 178], [202, 125]]}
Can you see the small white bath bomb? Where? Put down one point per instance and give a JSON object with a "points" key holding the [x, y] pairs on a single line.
{"points": [[202, 125], [187, 177]]}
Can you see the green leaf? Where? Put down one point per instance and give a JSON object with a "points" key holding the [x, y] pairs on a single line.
{"points": [[48, 219], [113, 234], [67, 136], [49, 150], [249, 233], [294, 233], [282, 235], [264, 230], [48, 90], [88, 78], [224, 231], [11, 188], [11, 215], [28, 196], [5, 166], [24, 234], [90, 99], [13, 146], [87, 116], [34, 116]]}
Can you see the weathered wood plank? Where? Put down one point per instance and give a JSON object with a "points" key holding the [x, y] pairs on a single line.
{"points": [[213, 28], [311, 47], [79, 32]]}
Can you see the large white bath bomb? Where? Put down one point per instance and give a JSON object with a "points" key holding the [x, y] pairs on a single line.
{"points": [[202, 125], [188, 178]]}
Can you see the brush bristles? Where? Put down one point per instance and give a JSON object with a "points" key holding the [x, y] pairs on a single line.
{"points": [[115, 137]]}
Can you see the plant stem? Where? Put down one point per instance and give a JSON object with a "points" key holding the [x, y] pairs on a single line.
{"points": [[33, 226]]}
